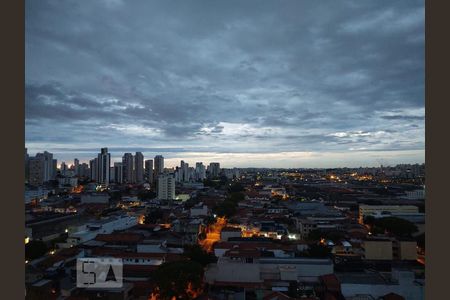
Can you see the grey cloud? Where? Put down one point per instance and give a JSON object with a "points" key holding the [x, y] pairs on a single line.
{"points": [[402, 117], [162, 72]]}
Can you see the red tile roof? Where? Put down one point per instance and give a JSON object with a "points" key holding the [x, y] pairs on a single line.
{"points": [[232, 229], [122, 254], [331, 282], [392, 296], [276, 296], [128, 238], [239, 284], [139, 268], [60, 255], [254, 245], [243, 253]]}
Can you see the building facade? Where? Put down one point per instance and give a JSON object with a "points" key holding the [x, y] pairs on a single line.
{"points": [[166, 187], [378, 210], [149, 170], [214, 169], [104, 164], [159, 166], [127, 164], [139, 167]]}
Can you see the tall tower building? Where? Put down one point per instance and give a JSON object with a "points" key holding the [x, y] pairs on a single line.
{"points": [[191, 173], [54, 167], [83, 170], [128, 167], [166, 187], [63, 168], [36, 170], [104, 164], [184, 171], [200, 171], [49, 170], [76, 166], [27, 157], [118, 172], [112, 175], [214, 169], [149, 170], [93, 165], [139, 167], [159, 165]]}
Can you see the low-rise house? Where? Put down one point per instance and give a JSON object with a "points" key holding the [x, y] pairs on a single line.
{"points": [[106, 226], [87, 198], [199, 210], [230, 232], [378, 285], [277, 250], [386, 248], [249, 266]]}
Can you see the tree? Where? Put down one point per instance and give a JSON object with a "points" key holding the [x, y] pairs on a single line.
{"points": [[179, 280], [396, 226], [225, 209], [197, 254], [153, 216], [146, 195], [35, 249], [209, 220], [211, 183], [335, 235], [318, 251], [223, 180], [421, 240], [236, 187], [236, 197], [191, 202], [369, 220], [315, 235], [116, 195]]}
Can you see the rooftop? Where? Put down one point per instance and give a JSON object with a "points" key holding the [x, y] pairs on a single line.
{"points": [[372, 278]]}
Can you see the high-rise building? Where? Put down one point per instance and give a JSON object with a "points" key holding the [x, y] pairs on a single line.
{"points": [[36, 166], [178, 174], [184, 171], [83, 170], [54, 167], [63, 167], [166, 187], [149, 170], [104, 164], [118, 172], [214, 169], [139, 167], [27, 157], [159, 165], [231, 173], [112, 174], [93, 165], [49, 170], [76, 166], [128, 167], [200, 171], [191, 173]]}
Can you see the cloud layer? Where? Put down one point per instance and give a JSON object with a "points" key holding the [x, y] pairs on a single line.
{"points": [[219, 79]]}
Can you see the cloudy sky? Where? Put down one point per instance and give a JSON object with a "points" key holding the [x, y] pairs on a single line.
{"points": [[246, 83]]}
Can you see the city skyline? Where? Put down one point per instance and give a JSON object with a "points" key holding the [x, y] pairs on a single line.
{"points": [[172, 162], [299, 85]]}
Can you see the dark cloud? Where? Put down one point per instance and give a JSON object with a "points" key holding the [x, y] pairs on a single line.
{"points": [[225, 75], [401, 117]]}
